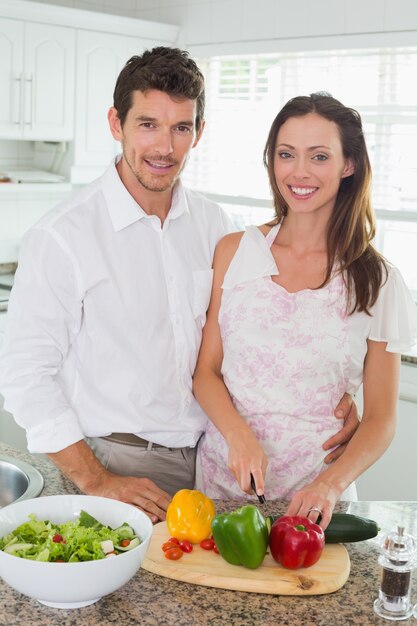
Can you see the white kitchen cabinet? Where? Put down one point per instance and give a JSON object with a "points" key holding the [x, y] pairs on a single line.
{"points": [[37, 78], [11, 66], [393, 476], [10, 432]]}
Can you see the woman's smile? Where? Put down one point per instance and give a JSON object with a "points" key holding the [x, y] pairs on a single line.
{"points": [[301, 193]]}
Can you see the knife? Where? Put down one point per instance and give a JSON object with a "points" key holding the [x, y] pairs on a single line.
{"points": [[252, 484]]}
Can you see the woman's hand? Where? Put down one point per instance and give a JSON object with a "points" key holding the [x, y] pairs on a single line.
{"points": [[317, 498], [246, 457]]}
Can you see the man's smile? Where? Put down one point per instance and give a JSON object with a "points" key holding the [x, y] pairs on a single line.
{"points": [[161, 166]]}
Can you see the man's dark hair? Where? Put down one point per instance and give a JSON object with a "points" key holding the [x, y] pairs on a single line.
{"points": [[166, 69]]}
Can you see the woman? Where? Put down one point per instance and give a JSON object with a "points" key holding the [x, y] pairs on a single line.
{"points": [[302, 310]]}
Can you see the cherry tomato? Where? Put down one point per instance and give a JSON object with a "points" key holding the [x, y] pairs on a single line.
{"points": [[170, 543], [186, 546], [207, 544], [124, 543], [216, 550], [58, 538], [173, 554], [174, 540]]}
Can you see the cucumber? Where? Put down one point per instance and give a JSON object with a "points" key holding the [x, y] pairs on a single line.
{"points": [[269, 521], [348, 528], [343, 528], [133, 544]]}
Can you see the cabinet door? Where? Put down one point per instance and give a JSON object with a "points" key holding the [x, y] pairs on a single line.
{"points": [[11, 78], [49, 82], [100, 57]]}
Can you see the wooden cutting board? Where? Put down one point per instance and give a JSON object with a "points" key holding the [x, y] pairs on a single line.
{"points": [[202, 567]]}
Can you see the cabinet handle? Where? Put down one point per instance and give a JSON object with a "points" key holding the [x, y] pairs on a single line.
{"points": [[29, 102], [18, 100]]}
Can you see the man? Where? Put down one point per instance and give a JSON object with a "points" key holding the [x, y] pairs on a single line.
{"points": [[110, 298]]}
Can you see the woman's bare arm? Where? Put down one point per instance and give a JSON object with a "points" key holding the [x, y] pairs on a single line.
{"points": [[245, 454], [372, 438]]}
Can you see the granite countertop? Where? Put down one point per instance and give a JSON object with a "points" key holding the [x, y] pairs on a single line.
{"points": [[152, 600]]}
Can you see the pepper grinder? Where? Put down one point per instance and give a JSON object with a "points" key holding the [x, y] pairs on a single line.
{"points": [[398, 559]]}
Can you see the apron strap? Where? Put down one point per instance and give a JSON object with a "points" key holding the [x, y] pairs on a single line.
{"points": [[272, 234]]}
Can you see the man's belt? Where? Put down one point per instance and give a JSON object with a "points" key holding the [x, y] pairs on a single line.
{"points": [[133, 440]]}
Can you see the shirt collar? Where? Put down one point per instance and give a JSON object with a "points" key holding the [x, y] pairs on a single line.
{"points": [[179, 204], [123, 208]]}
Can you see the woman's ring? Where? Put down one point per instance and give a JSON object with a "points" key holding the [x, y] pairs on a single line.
{"points": [[315, 508]]}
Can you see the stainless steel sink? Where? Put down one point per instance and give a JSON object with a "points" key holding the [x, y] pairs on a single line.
{"points": [[18, 480]]}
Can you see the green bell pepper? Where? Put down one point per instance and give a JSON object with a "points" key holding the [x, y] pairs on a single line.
{"points": [[241, 536]]}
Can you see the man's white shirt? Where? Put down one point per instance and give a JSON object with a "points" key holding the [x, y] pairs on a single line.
{"points": [[105, 318]]}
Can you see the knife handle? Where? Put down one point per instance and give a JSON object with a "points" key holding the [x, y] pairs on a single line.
{"points": [[252, 484]]}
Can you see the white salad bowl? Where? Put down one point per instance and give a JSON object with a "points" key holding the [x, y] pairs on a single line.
{"points": [[72, 585]]}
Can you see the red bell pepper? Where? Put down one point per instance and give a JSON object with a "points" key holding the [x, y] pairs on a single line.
{"points": [[296, 542]]}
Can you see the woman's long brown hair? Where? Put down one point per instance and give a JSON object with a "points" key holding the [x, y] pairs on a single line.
{"points": [[351, 226]]}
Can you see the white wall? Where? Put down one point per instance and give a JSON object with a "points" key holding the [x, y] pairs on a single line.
{"points": [[246, 22], [236, 25], [15, 153]]}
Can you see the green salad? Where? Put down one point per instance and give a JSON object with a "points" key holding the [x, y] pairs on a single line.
{"points": [[85, 539]]}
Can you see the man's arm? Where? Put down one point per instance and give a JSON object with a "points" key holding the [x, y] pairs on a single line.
{"points": [[45, 315], [348, 411], [81, 466]]}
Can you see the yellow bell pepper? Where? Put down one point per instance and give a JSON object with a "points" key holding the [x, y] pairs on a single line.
{"points": [[189, 515]]}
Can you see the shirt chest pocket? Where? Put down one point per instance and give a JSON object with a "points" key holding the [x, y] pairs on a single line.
{"points": [[202, 281]]}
